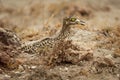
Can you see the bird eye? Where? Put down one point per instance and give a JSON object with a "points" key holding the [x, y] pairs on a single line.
{"points": [[72, 19]]}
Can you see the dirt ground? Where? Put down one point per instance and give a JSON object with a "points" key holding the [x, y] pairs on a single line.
{"points": [[92, 53]]}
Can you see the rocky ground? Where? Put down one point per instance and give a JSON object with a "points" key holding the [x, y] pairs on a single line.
{"points": [[91, 53]]}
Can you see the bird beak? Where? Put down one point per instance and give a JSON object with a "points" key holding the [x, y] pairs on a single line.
{"points": [[80, 22]]}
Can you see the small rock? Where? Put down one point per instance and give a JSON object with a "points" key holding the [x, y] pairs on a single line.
{"points": [[66, 68], [7, 76], [33, 67], [109, 61]]}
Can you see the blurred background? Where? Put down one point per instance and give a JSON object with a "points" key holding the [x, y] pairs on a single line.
{"points": [[33, 19]]}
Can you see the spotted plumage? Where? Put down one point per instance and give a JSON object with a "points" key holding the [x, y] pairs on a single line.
{"points": [[39, 46], [47, 44]]}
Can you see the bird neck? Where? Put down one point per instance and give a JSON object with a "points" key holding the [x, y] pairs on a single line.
{"points": [[64, 33]]}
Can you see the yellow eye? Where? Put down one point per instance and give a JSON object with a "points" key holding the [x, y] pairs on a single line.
{"points": [[72, 19]]}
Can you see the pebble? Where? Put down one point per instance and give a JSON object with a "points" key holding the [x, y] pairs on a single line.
{"points": [[7, 76], [33, 67], [66, 68]]}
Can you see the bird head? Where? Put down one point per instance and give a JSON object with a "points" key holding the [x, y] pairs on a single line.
{"points": [[72, 21]]}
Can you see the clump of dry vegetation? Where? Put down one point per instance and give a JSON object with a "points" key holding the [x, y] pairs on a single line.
{"points": [[111, 38], [8, 49], [65, 52]]}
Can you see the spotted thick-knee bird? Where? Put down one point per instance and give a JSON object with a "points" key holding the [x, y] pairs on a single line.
{"points": [[48, 43]]}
